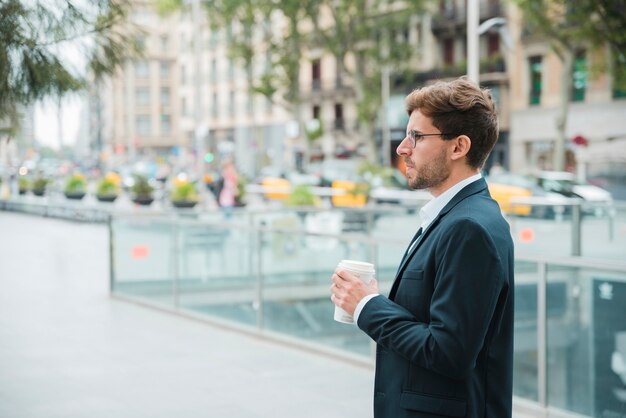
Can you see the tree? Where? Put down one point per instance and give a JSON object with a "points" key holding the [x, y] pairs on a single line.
{"points": [[353, 31], [571, 27], [365, 36], [35, 35]]}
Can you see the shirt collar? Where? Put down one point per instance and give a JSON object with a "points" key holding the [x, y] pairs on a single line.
{"points": [[431, 210]]}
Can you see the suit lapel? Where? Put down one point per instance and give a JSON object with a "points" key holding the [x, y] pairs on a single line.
{"points": [[470, 189]]}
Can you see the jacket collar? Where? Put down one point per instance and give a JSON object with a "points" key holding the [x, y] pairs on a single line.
{"points": [[475, 187]]}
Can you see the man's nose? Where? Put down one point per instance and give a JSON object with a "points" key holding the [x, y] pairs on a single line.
{"points": [[403, 148]]}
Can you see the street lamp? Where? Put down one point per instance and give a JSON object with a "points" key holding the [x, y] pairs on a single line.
{"points": [[473, 33]]}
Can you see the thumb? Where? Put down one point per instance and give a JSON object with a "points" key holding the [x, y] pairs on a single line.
{"points": [[373, 284]]}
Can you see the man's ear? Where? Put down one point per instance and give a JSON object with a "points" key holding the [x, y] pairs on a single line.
{"points": [[462, 145]]}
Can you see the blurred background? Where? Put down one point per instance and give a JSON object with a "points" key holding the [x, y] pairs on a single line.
{"points": [[228, 153]]}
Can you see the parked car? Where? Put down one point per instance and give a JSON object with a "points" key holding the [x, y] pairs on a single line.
{"points": [[565, 183], [506, 187]]}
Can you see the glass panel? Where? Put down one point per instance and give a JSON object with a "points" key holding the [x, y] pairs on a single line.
{"points": [[586, 338], [215, 270], [603, 231], [142, 259], [296, 301], [525, 371], [296, 274], [546, 237]]}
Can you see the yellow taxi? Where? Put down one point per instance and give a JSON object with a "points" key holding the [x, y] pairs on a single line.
{"points": [[507, 186]]}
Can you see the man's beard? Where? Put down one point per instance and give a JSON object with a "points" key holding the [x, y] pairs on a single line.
{"points": [[431, 174]]}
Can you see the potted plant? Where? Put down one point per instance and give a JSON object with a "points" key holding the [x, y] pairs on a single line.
{"points": [[75, 187], [142, 191], [184, 194], [39, 185], [240, 198], [23, 184], [108, 188], [302, 196]]}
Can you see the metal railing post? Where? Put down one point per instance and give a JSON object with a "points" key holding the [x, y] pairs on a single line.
{"points": [[542, 340], [576, 229], [175, 253], [259, 279], [111, 259]]}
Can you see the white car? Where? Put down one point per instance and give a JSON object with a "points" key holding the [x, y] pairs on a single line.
{"points": [[567, 184]]}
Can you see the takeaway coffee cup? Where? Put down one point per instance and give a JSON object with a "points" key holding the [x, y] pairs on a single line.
{"points": [[365, 271]]}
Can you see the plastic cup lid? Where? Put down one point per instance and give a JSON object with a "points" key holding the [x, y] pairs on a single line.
{"points": [[357, 265]]}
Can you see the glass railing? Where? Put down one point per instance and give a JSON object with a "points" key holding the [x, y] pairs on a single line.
{"points": [[573, 229], [269, 273]]}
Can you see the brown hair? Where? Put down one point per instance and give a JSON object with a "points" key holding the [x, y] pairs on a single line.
{"points": [[460, 107]]}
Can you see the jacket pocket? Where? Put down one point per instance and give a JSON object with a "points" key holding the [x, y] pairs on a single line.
{"points": [[413, 275], [433, 404]]}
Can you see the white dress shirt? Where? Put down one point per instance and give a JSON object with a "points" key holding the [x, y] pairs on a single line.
{"points": [[428, 213]]}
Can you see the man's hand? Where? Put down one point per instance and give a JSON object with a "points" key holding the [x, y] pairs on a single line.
{"points": [[348, 290]]}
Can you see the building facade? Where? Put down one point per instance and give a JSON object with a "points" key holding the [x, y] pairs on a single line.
{"points": [[595, 130]]}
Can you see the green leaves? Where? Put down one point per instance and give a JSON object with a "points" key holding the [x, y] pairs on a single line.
{"points": [[34, 35]]}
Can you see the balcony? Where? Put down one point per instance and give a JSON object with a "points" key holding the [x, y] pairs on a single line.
{"points": [[456, 18]]}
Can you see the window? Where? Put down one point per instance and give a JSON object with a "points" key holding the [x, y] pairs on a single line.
{"points": [[250, 104], [535, 64], [164, 43], [140, 41], [142, 96], [142, 125], [214, 70], [231, 69], [214, 39], [448, 51], [165, 96], [493, 44], [619, 78], [447, 8], [166, 126], [165, 70], [579, 77], [231, 103], [214, 106], [141, 69], [316, 112], [316, 70], [339, 122], [184, 105]]}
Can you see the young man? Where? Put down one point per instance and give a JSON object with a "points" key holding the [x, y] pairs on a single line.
{"points": [[445, 333]]}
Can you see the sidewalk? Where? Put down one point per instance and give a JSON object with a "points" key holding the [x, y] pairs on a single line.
{"points": [[68, 350]]}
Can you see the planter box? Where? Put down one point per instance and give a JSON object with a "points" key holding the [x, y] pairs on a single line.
{"points": [[184, 203], [143, 200], [106, 198], [74, 195]]}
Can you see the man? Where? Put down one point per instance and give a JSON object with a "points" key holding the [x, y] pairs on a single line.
{"points": [[445, 333]]}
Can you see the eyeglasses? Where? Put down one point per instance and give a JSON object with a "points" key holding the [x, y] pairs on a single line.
{"points": [[415, 136]]}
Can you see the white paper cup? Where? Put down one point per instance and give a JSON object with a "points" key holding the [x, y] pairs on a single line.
{"points": [[365, 271]]}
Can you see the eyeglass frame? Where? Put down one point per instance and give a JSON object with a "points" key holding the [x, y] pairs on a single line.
{"points": [[413, 136]]}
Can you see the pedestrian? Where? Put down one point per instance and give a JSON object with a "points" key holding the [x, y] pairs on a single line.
{"points": [[444, 334], [228, 194]]}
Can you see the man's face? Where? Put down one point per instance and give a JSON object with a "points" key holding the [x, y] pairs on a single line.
{"points": [[427, 165]]}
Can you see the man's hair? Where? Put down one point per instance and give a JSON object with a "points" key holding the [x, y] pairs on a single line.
{"points": [[460, 107]]}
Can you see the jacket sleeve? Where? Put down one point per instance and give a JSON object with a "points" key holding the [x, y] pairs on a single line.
{"points": [[468, 283]]}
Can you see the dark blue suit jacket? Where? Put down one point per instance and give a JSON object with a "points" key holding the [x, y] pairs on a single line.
{"points": [[445, 334]]}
